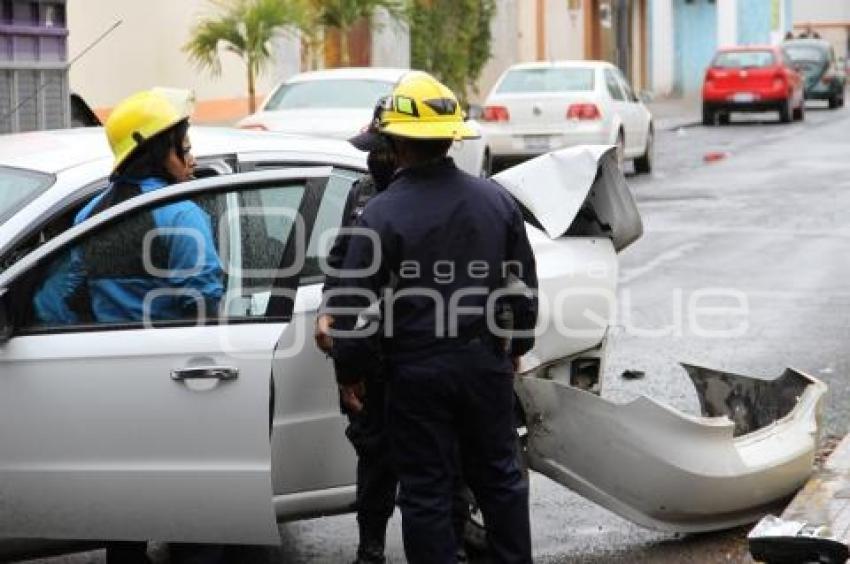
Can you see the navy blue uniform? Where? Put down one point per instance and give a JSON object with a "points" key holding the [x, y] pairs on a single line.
{"points": [[447, 239]]}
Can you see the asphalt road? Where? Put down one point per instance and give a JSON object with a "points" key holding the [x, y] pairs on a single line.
{"points": [[769, 222]]}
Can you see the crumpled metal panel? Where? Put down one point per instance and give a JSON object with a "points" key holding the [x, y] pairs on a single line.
{"points": [[671, 471]]}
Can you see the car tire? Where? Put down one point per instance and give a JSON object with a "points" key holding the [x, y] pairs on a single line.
{"points": [[643, 164], [834, 102], [621, 150], [707, 116], [785, 111], [486, 165], [800, 112], [723, 118]]}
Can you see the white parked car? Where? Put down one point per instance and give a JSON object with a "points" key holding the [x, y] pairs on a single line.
{"points": [[338, 103], [539, 107], [169, 431]]}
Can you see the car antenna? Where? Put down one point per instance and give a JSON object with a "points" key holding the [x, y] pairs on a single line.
{"points": [[79, 56]]}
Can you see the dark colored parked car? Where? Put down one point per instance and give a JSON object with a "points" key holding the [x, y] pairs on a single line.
{"points": [[823, 77], [752, 79]]}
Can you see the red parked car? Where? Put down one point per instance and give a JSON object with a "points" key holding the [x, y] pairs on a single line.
{"points": [[752, 79]]}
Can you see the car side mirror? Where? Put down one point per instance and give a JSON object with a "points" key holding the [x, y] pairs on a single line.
{"points": [[475, 111], [5, 319]]}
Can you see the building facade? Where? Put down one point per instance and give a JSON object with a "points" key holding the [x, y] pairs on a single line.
{"points": [[145, 50], [539, 30], [687, 33], [830, 19], [33, 65]]}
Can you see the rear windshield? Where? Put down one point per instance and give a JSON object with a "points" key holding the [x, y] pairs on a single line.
{"points": [[805, 53], [330, 93], [548, 80], [19, 187], [744, 59]]}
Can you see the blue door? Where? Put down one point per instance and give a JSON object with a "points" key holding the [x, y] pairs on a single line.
{"points": [[695, 40]]}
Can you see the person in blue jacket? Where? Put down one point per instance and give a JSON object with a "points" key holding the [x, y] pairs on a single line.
{"points": [[115, 276]]}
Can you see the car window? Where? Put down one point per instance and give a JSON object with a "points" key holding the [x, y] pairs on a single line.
{"points": [[329, 93], [578, 79], [613, 85], [18, 187], [624, 84], [328, 220], [743, 59], [800, 53], [209, 259]]}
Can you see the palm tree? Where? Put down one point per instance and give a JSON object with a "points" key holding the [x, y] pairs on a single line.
{"points": [[343, 14], [245, 28]]}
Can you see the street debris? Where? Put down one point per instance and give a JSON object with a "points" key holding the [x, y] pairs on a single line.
{"points": [[779, 541], [632, 374], [714, 156]]}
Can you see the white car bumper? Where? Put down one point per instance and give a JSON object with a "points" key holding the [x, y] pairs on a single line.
{"points": [[515, 142]]}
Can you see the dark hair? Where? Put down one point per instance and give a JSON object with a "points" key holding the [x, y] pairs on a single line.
{"points": [[149, 158], [423, 150]]}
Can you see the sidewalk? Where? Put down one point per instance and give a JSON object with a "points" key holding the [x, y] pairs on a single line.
{"points": [[673, 113]]}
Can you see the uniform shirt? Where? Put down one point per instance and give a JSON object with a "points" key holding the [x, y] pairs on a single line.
{"points": [[193, 269], [446, 239]]}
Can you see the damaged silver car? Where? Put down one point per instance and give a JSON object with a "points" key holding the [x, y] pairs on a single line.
{"points": [[754, 443]]}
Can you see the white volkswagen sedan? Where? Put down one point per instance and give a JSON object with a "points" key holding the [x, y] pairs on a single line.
{"points": [[535, 108], [338, 103], [216, 427]]}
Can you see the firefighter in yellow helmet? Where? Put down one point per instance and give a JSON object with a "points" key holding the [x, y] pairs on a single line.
{"points": [[148, 136], [449, 244]]}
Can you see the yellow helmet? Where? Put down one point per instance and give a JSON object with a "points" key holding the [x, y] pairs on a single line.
{"points": [[421, 107], [142, 116]]}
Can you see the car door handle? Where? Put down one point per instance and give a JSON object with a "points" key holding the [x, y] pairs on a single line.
{"points": [[205, 372]]}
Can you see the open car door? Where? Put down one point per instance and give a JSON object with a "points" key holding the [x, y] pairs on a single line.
{"points": [[154, 428]]}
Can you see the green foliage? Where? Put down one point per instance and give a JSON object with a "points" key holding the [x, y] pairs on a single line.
{"points": [[451, 40], [245, 28]]}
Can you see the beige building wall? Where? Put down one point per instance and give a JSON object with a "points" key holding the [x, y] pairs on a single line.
{"points": [[146, 50], [516, 39]]}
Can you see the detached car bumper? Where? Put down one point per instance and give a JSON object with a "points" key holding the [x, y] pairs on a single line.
{"points": [[663, 469]]}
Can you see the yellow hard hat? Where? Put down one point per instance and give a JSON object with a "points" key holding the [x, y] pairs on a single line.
{"points": [[142, 116], [421, 107]]}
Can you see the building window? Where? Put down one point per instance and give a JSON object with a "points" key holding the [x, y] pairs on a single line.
{"points": [[8, 12]]}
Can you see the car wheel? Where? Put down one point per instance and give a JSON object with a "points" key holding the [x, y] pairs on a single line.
{"points": [[643, 164], [707, 116], [723, 119], [800, 112], [621, 150], [833, 102], [785, 111], [486, 165]]}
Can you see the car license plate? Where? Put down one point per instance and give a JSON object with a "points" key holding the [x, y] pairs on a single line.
{"points": [[537, 142], [743, 97]]}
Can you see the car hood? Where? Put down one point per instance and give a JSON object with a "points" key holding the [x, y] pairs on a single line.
{"points": [[579, 191], [336, 123]]}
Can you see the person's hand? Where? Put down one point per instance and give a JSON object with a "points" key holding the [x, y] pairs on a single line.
{"points": [[322, 333], [515, 363], [353, 396]]}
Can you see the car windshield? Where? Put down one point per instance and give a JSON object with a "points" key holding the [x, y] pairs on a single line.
{"points": [[743, 59], [805, 53], [329, 93], [19, 187], [548, 80]]}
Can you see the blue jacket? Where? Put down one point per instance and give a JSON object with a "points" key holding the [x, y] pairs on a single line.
{"points": [[190, 274]]}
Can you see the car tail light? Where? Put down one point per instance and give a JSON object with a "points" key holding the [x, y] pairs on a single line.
{"points": [[496, 113], [828, 76], [584, 112], [710, 75], [254, 127]]}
